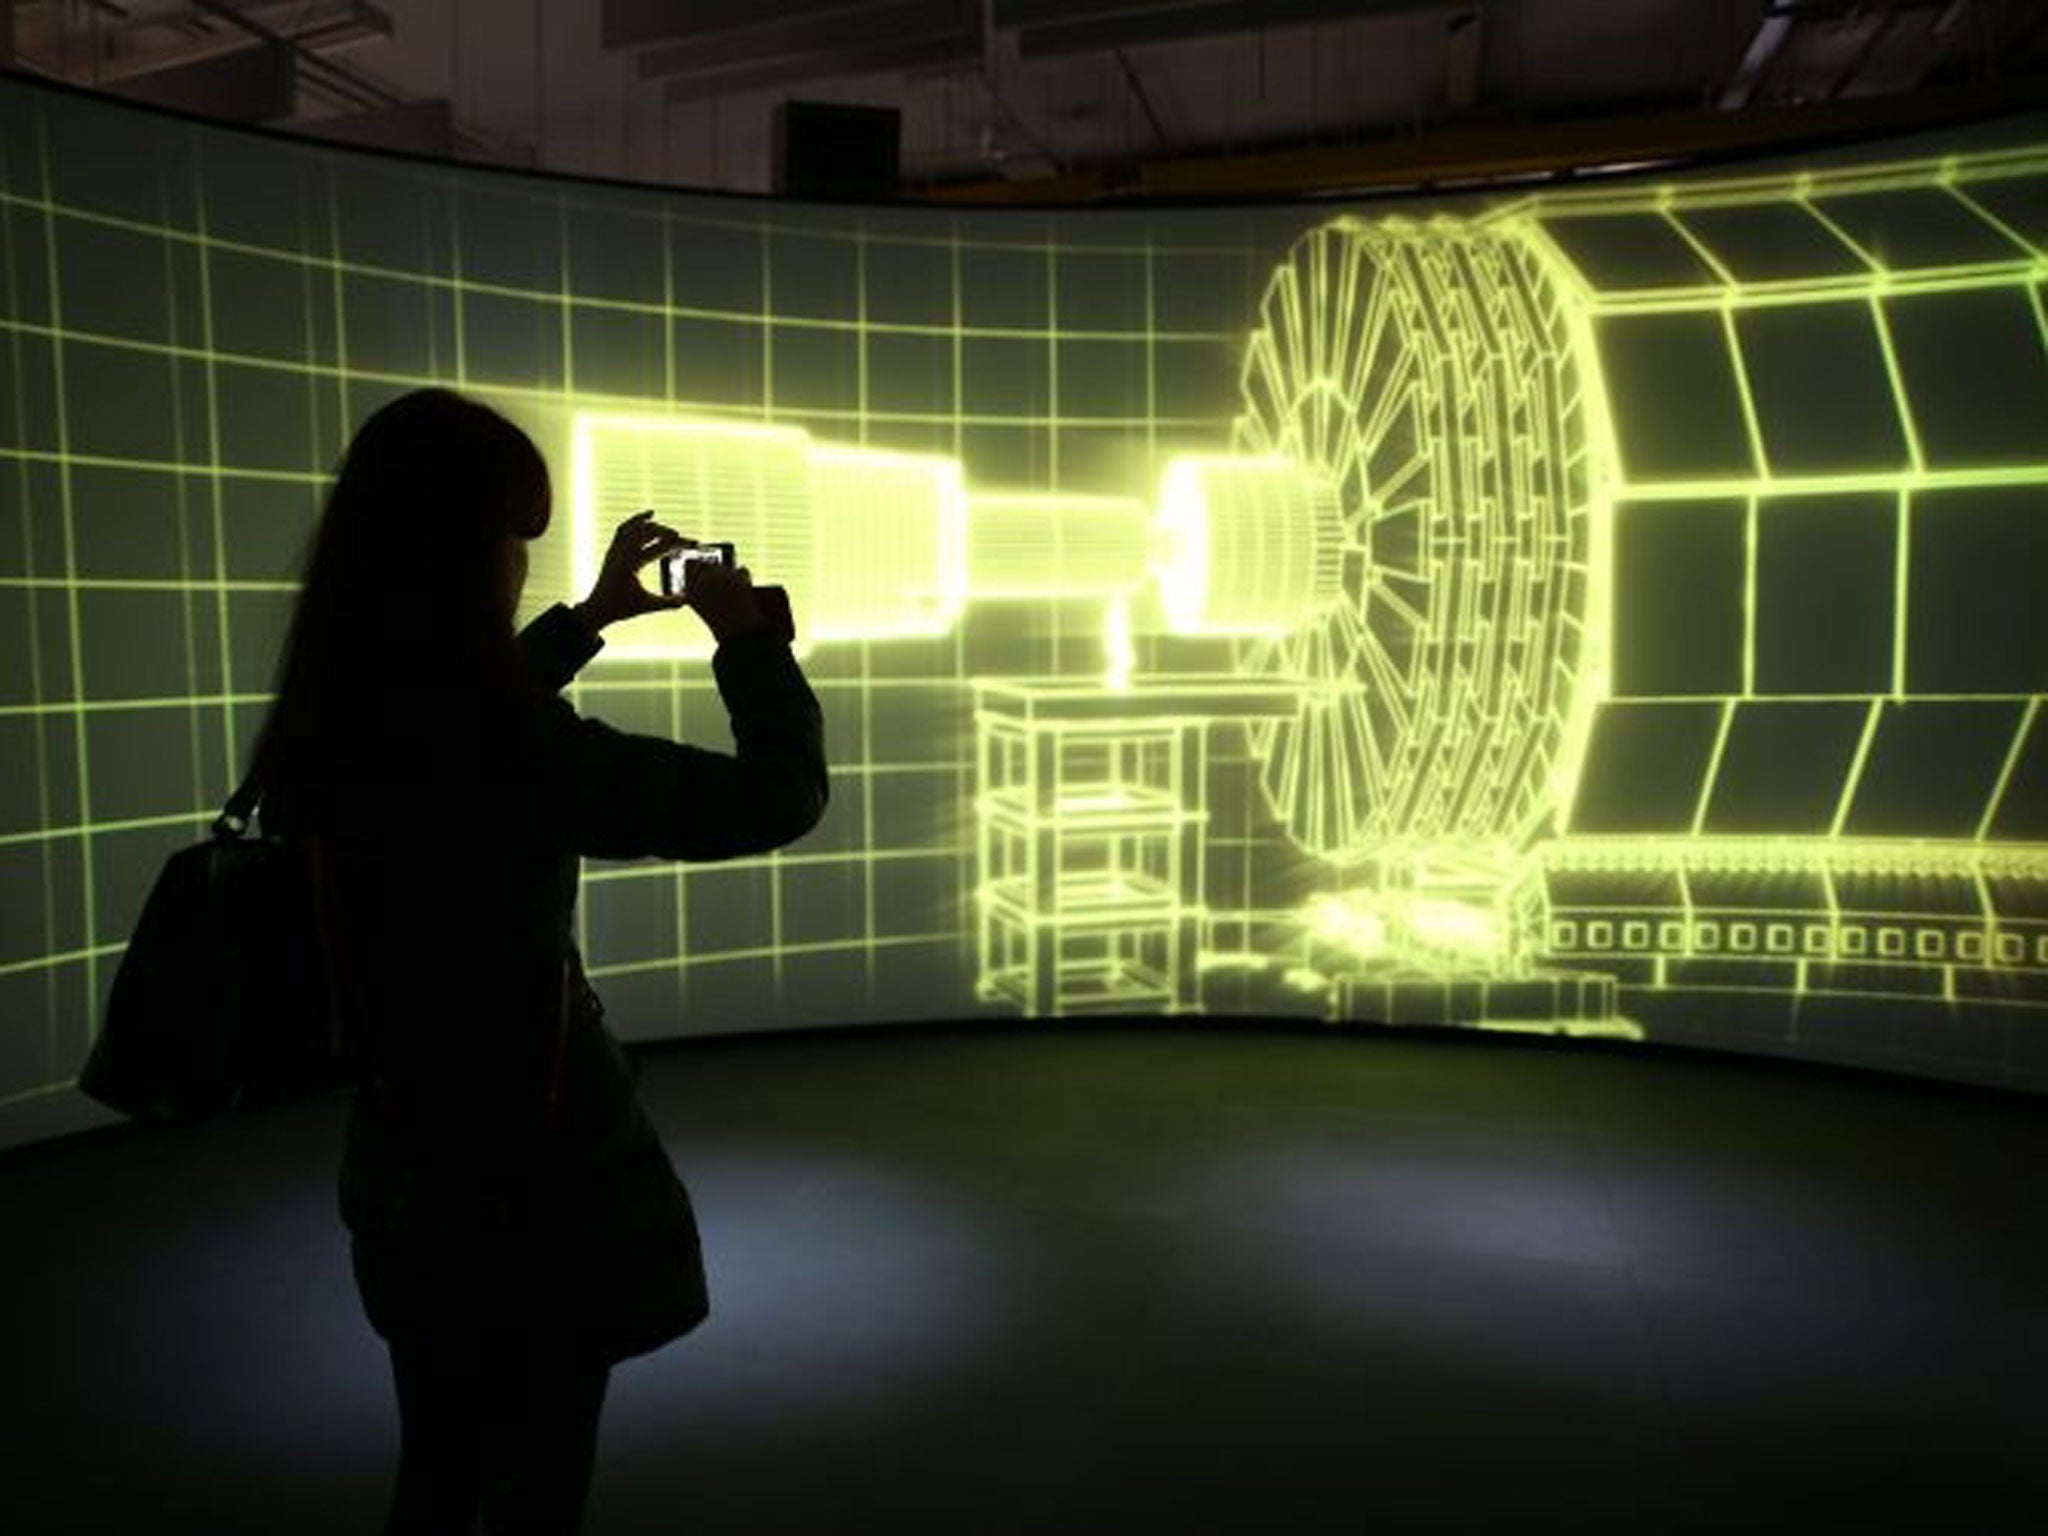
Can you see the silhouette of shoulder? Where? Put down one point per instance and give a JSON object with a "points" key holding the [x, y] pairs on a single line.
{"points": [[614, 794]]}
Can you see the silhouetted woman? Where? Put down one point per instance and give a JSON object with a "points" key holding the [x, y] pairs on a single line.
{"points": [[516, 1227]]}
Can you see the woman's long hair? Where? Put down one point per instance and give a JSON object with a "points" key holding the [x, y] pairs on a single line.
{"points": [[401, 620]]}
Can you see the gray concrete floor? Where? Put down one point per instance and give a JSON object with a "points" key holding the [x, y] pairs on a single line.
{"points": [[1148, 1278]]}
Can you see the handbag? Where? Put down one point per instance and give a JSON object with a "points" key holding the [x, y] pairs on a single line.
{"points": [[223, 1000]]}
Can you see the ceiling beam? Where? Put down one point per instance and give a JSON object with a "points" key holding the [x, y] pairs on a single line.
{"points": [[875, 23], [1873, 35], [642, 23], [331, 79], [1049, 28], [312, 32], [1757, 59], [1480, 154], [777, 74], [1137, 89]]}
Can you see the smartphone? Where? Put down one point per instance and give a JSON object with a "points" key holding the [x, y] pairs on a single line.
{"points": [[774, 601], [673, 566]]}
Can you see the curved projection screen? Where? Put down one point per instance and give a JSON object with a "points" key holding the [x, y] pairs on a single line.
{"points": [[1622, 611]]}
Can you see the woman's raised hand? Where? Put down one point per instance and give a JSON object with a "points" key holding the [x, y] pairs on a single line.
{"points": [[618, 592], [723, 598]]}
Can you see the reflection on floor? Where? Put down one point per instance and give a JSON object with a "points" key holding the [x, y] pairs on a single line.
{"points": [[1128, 1279]]}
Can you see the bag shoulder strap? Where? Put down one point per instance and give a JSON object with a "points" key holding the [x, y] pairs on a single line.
{"points": [[339, 956], [233, 819]]}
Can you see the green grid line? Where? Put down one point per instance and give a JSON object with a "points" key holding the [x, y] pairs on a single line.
{"points": [[35, 649], [1708, 780], [867, 799], [1797, 293], [1902, 557], [78, 731], [2012, 757], [768, 952], [679, 884]]}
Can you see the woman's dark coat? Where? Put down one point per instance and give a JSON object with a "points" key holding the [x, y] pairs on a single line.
{"points": [[500, 1175]]}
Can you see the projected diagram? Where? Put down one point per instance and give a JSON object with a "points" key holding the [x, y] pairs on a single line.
{"points": [[1626, 593]]}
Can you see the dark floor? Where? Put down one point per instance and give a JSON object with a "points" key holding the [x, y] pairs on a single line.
{"points": [[1130, 1279]]}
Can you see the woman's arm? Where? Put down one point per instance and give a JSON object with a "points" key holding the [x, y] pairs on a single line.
{"points": [[621, 796], [556, 645]]}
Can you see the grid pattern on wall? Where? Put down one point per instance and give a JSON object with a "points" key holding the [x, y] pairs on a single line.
{"points": [[191, 321], [1790, 486]]}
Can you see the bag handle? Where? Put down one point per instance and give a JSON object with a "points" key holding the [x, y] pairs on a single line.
{"points": [[233, 819], [337, 953]]}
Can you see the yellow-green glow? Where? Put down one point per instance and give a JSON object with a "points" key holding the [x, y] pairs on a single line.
{"points": [[890, 540], [1245, 545], [753, 484], [1429, 373], [1577, 614], [1469, 931], [1116, 641], [1090, 850], [1411, 541], [1350, 925], [1889, 911], [1030, 545]]}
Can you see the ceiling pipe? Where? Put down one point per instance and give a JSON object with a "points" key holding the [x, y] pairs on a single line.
{"points": [[202, 41], [1763, 50], [1137, 87], [987, 76], [337, 83], [1864, 50], [1516, 153]]}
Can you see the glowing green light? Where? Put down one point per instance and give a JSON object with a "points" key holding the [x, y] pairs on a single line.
{"points": [[1356, 695], [1410, 542]]}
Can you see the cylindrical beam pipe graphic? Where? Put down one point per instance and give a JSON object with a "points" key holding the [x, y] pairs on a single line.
{"points": [[877, 545], [1055, 546], [1247, 545], [1476, 458]]}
